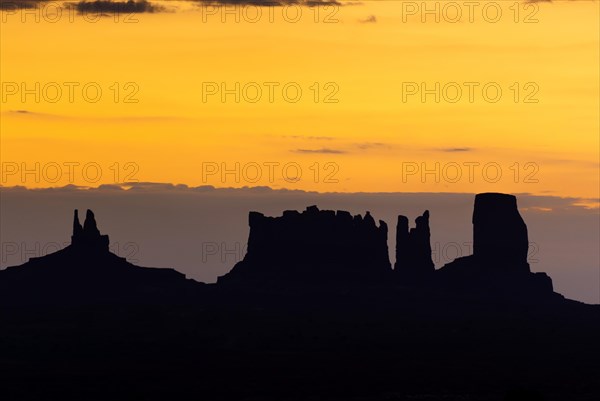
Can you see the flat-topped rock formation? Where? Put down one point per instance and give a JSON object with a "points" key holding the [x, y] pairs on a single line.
{"points": [[500, 245], [87, 270], [499, 233], [316, 246], [413, 247]]}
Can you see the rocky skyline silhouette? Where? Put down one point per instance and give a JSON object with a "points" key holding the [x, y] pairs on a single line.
{"points": [[320, 247], [201, 239], [313, 311]]}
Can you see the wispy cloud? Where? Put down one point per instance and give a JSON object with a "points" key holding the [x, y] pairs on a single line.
{"points": [[97, 6], [372, 145], [19, 4], [107, 6], [527, 201], [348, 148], [371, 19], [271, 3], [310, 138], [320, 151], [456, 150], [29, 114]]}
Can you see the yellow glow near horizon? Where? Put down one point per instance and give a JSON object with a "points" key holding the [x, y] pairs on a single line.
{"points": [[364, 142]]}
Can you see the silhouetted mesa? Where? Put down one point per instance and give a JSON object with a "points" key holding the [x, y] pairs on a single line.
{"points": [[87, 271], [500, 246], [413, 248], [315, 245]]}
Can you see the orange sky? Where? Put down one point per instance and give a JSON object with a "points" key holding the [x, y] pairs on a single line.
{"points": [[374, 136]]}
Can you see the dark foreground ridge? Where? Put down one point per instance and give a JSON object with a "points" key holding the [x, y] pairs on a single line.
{"points": [[313, 312]]}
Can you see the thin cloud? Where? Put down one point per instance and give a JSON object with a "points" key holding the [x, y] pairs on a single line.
{"points": [[144, 6], [23, 113], [270, 3], [527, 201], [327, 151], [19, 4], [371, 19], [372, 145], [456, 150], [362, 147], [114, 7], [153, 186]]}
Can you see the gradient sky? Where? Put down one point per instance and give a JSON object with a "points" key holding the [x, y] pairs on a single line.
{"points": [[370, 137]]}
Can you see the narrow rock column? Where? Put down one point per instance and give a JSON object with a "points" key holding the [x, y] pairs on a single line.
{"points": [[413, 248], [77, 229]]}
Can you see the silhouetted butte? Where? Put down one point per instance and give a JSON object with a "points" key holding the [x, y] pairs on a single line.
{"points": [[87, 271]]}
